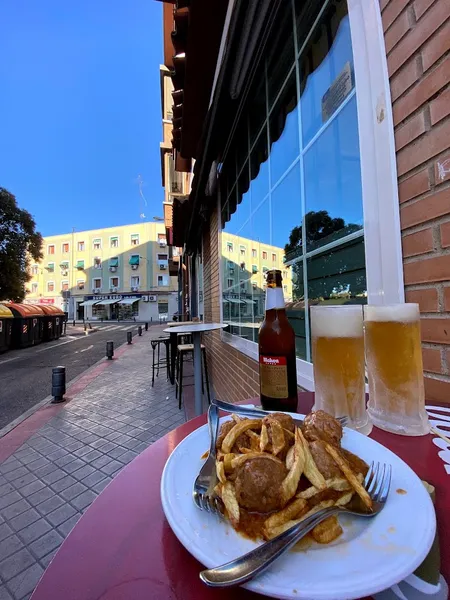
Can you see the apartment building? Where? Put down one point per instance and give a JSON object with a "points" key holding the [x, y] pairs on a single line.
{"points": [[118, 272]]}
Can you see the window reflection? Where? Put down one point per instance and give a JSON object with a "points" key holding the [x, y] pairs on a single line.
{"points": [[286, 207]]}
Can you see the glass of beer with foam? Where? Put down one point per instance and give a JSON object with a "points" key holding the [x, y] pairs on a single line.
{"points": [[338, 360], [394, 365]]}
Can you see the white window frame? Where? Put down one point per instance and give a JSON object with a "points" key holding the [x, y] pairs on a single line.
{"points": [[97, 240], [34, 269], [97, 286], [114, 237], [118, 281], [84, 284], [97, 268], [382, 234], [163, 284], [64, 281], [78, 246], [138, 277], [51, 263], [50, 291], [62, 247], [34, 285], [48, 249], [137, 235]]}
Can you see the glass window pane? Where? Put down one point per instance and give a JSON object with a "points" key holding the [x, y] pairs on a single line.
{"points": [[259, 167], [334, 199], [295, 307], [282, 53], [326, 70], [286, 209], [258, 113], [283, 131], [261, 224]]}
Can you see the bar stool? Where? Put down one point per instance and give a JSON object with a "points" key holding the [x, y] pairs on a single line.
{"points": [[160, 362], [182, 351]]}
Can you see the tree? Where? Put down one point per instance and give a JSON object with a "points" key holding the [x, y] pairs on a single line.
{"points": [[19, 242]]}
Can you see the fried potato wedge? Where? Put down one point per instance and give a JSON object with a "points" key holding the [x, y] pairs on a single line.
{"points": [[344, 499], [291, 511], [220, 470], [236, 418], [290, 483], [351, 477], [290, 458], [278, 440], [336, 483], [242, 458], [311, 471], [288, 434], [227, 461], [274, 531], [236, 431], [327, 531], [229, 499], [264, 438], [218, 490], [247, 451]]}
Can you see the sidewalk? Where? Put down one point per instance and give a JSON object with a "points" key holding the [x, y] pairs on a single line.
{"points": [[56, 462]]}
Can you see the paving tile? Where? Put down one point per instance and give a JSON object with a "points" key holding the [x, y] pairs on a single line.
{"points": [[5, 531], [34, 531], [25, 479], [65, 460], [101, 462], [6, 488], [99, 487], [73, 491], [143, 446], [9, 546], [46, 544], [40, 496], [16, 473], [15, 509], [59, 453], [84, 499], [14, 564], [127, 456], [4, 594], [74, 465], [99, 443], [66, 527], [30, 488], [54, 476], [37, 464], [63, 483], [61, 514], [47, 559], [25, 582], [91, 455], [112, 436], [9, 465], [83, 472], [82, 451], [50, 504], [93, 478], [45, 470], [74, 446], [24, 519], [111, 467], [27, 455]]}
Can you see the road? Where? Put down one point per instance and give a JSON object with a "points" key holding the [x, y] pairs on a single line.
{"points": [[25, 375]]}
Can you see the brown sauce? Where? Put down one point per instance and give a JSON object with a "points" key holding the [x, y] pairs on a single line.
{"points": [[401, 492], [251, 524]]}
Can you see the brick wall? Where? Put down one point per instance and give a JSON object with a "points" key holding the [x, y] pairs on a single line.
{"points": [[417, 37]]}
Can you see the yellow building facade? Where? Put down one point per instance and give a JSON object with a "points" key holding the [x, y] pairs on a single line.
{"points": [[118, 272]]}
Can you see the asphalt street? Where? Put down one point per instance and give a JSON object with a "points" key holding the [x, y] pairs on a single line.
{"points": [[25, 375]]}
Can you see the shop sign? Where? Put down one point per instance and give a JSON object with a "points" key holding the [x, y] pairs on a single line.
{"points": [[46, 301], [337, 92]]}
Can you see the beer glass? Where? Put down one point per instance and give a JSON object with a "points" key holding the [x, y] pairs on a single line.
{"points": [[394, 364], [338, 362]]}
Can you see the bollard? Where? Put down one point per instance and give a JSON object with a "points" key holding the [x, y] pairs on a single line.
{"points": [[146, 327], [109, 350], [58, 384], [139, 330], [129, 337]]}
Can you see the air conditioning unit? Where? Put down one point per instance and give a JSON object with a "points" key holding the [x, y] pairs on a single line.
{"points": [[135, 288], [152, 298], [162, 266], [134, 267], [113, 269], [162, 243], [113, 289], [144, 298], [64, 273], [96, 290]]}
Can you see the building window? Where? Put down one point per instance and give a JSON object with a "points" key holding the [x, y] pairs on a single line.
{"points": [[254, 253], [97, 283], [162, 241], [254, 285], [242, 265], [65, 286], [51, 267], [97, 244], [113, 264], [242, 284], [254, 269], [80, 284], [242, 250], [163, 280], [163, 308], [264, 255], [229, 247], [51, 249], [265, 269], [135, 281], [50, 286], [97, 263], [163, 263], [274, 258], [134, 261], [64, 267], [65, 248], [114, 242], [114, 282], [80, 265], [80, 246], [230, 283], [135, 239], [34, 270], [34, 288]]}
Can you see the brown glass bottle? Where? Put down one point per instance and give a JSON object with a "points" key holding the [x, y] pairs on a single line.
{"points": [[277, 361]]}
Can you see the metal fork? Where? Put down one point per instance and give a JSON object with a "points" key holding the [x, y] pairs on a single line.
{"points": [[258, 413], [240, 570], [203, 492]]}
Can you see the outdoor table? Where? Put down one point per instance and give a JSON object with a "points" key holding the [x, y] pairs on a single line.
{"points": [[196, 329], [122, 548], [173, 345]]}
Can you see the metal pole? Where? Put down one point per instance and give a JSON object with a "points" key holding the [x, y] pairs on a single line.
{"points": [[197, 374], [146, 327], [139, 330], [58, 384], [109, 350], [129, 337]]}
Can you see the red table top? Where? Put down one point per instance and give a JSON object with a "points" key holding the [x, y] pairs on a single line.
{"points": [[123, 548]]}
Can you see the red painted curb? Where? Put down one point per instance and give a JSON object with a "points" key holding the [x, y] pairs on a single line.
{"points": [[20, 434]]}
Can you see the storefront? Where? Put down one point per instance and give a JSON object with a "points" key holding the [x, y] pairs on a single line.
{"points": [[326, 140], [125, 307]]}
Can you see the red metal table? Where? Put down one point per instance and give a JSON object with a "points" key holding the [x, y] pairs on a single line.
{"points": [[122, 548]]}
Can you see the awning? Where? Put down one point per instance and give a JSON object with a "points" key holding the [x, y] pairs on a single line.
{"points": [[129, 300], [106, 302], [232, 300], [80, 264], [88, 302], [134, 260], [245, 301], [114, 262]]}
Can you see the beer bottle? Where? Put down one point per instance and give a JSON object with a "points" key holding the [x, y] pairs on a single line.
{"points": [[277, 368]]}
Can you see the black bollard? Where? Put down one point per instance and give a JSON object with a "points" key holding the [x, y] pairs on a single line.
{"points": [[129, 337], [109, 350], [58, 384], [146, 327], [139, 330]]}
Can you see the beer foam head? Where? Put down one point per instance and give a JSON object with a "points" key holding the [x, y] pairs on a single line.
{"points": [[337, 321], [399, 313]]}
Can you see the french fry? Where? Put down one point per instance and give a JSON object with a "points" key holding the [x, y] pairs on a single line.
{"points": [[220, 470], [351, 477], [288, 433], [327, 531], [242, 458], [264, 438], [290, 458], [274, 531], [289, 484], [227, 460], [291, 511], [278, 440], [311, 471], [246, 450], [344, 499], [336, 483], [252, 435], [218, 490], [236, 431], [236, 418], [231, 504]]}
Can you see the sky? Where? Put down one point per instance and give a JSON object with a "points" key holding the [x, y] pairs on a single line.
{"points": [[80, 110]]}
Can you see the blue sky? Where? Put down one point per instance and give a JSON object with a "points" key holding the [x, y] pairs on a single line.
{"points": [[80, 112]]}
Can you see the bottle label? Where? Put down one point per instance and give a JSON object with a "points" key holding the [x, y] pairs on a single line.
{"points": [[273, 376]]}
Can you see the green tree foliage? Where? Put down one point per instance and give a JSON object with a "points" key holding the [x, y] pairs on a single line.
{"points": [[19, 242]]}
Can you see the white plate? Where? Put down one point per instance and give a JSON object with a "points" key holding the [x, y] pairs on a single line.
{"points": [[372, 554]]}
